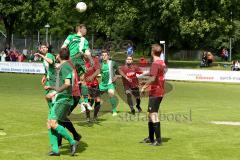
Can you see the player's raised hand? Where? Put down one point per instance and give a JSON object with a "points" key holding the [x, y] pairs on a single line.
{"points": [[38, 54], [51, 95], [43, 81], [47, 87]]}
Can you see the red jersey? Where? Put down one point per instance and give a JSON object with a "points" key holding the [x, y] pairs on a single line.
{"points": [[131, 72], [90, 70], [157, 70]]}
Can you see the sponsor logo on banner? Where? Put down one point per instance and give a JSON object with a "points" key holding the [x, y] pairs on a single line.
{"points": [[22, 67], [202, 75], [171, 74]]}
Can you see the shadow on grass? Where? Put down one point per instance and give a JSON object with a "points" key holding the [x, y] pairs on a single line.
{"points": [[65, 150], [91, 123], [164, 140], [80, 118]]}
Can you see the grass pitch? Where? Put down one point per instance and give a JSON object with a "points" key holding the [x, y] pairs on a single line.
{"points": [[186, 113]]}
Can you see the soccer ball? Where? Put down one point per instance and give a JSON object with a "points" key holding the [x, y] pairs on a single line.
{"points": [[81, 7]]}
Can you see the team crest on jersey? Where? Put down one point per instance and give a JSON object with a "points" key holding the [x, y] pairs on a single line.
{"points": [[130, 74]]}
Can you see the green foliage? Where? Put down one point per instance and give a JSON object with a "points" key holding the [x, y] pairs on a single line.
{"points": [[187, 24]]}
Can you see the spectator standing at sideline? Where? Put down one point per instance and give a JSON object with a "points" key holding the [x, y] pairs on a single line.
{"points": [[129, 50], [224, 54], [235, 66], [3, 56]]}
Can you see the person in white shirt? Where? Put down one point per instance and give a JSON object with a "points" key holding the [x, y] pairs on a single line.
{"points": [[3, 57], [236, 66]]}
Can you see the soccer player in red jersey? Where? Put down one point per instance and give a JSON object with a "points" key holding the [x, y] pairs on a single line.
{"points": [[91, 74], [130, 81], [156, 93]]}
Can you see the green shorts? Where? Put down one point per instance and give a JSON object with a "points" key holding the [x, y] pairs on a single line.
{"points": [[105, 87], [79, 65], [60, 109], [84, 90]]}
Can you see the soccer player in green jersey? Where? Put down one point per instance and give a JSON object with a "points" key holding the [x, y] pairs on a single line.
{"points": [[62, 102], [78, 46], [108, 69], [48, 62]]}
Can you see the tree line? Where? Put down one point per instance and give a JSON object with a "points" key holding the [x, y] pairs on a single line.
{"points": [[183, 24]]}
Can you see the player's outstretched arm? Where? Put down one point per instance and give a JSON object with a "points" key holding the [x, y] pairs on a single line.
{"points": [[65, 86], [63, 46], [87, 53], [95, 74], [49, 60], [121, 73], [43, 81], [67, 41], [124, 75], [147, 84]]}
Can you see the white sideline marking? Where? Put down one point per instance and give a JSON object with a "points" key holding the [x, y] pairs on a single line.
{"points": [[25, 135], [2, 133], [226, 123]]}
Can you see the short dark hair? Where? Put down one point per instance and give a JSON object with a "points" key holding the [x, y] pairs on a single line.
{"points": [[44, 44], [156, 49], [64, 54], [129, 56], [79, 26], [104, 51]]}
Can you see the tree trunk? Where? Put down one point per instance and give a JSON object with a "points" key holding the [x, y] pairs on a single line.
{"points": [[9, 26]]}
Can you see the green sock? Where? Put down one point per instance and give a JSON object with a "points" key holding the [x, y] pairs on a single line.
{"points": [[63, 132], [50, 136], [113, 102], [91, 101], [86, 99], [84, 90], [53, 140]]}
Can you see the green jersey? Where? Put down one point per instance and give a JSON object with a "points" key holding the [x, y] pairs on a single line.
{"points": [[65, 72], [76, 44], [108, 70], [49, 69]]}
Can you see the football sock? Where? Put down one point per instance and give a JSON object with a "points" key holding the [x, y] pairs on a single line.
{"points": [[138, 103], [91, 101], [63, 132], [68, 124], [96, 108], [151, 131], [129, 100], [53, 136], [157, 130], [113, 102]]}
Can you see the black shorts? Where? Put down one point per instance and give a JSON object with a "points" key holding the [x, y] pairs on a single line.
{"points": [[94, 92], [133, 91], [154, 104]]}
